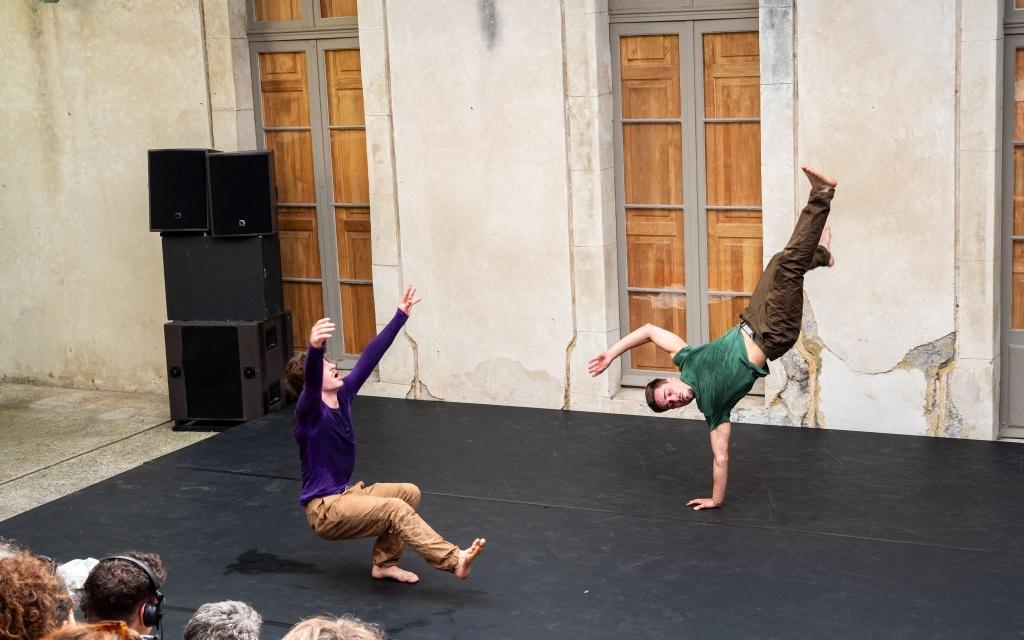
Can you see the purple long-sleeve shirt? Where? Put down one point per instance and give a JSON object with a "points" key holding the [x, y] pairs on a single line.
{"points": [[327, 443]]}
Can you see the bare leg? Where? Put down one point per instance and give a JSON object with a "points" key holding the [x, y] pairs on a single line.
{"points": [[826, 241], [467, 556]]}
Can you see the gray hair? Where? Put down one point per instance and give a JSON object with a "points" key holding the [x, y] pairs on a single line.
{"points": [[228, 620], [344, 628], [8, 547]]}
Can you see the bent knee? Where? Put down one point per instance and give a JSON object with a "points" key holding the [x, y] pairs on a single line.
{"points": [[411, 494]]}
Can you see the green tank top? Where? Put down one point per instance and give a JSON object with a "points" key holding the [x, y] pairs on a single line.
{"points": [[720, 374]]}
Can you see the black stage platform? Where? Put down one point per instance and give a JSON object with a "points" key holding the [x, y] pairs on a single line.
{"points": [[825, 534]]}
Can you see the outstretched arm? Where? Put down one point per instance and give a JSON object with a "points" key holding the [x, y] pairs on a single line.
{"points": [[719, 469], [313, 371], [662, 338], [377, 347]]}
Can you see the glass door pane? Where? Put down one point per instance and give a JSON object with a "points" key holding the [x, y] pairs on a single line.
{"points": [[350, 194], [732, 161], [652, 165], [285, 102]]}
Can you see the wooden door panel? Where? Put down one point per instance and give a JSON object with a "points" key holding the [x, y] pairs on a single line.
{"points": [[274, 10], [735, 249], [1017, 319], [652, 163], [353, 231], [344, 87], [1018, 96], [666, 310], [305, 301], [724, 313], [293, 166], [357, 313], [732, 75], [733, 163], [1018, 191], [284, 88], [349, 164], [654, 248], [300, 247], [650, 76], [337, 8]]}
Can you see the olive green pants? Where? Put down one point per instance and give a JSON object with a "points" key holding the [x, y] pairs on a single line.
{"points": [[777, 305]]}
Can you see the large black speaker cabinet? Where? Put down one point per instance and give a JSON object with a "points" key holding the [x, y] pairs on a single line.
{"points": [[178, 196], [209, 278], [226, 371], [242, 194]]}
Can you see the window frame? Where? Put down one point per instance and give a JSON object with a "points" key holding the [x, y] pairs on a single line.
{"points": [[1013, 40], [693, 148], [310, 22]]}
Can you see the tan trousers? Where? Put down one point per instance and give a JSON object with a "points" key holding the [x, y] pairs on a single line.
{"points": [[387, 511]]}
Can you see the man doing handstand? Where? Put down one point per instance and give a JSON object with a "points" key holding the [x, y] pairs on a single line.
{"points": [[718, 374], [335, 508]]}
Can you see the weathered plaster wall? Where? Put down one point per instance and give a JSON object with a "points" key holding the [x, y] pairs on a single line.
{"points": [[478, 99], [86, 89], [902, 335]]}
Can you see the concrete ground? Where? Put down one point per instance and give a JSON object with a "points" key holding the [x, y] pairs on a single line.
{"points": [[55, 441]]}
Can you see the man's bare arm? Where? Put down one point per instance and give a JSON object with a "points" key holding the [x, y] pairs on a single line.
{"points": [[662, 338], [719, 469]]}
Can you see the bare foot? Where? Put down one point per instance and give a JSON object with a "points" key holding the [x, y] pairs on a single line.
{"points": [[819, 181], [826, 240], [394, 572], [467, 556]]}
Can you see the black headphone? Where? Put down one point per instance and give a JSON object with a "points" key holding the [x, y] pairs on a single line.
{"points": [[153, 612]]}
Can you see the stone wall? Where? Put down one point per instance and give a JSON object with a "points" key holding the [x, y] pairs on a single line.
{"points": [[87, 88], [489, 128]]}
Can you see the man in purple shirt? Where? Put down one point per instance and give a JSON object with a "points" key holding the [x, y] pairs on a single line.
{"points": [[337, 509]]}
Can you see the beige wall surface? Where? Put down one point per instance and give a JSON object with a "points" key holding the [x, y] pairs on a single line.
{"points": [[86, 89], [902, 107], [480, 162]]}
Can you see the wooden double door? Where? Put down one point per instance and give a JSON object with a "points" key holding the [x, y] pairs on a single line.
{"points": [[688, 146], [309, 111]]}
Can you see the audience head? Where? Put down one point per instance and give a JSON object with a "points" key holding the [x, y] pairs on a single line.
{"points": [[343, 628], [295, 373], [9, 547], [121, 590], [112, 630], [33, 599], [228, 620]]}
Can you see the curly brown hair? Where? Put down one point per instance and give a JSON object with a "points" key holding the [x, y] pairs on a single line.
{"points": [[294, 373], [115, 588], [117, 630], [33, 599]]}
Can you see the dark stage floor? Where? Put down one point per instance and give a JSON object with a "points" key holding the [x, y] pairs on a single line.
{"points": [[824, 535]]}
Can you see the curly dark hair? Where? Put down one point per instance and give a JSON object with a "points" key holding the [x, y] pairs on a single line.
{"points": [[115, 588], [33, 599], [294, 373]]}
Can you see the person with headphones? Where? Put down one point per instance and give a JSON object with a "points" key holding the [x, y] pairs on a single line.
{"points": [[126, 587]]}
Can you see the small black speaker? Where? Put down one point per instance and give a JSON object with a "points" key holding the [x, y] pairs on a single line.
{"points": [[242, 194], [178, 190], [226, 371], [217, 279]]}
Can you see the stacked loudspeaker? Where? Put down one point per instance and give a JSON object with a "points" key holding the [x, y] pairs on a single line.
{"points": [[229, 337]]}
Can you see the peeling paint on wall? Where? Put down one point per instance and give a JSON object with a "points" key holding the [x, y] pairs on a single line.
{"points": [[800, 394]]}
